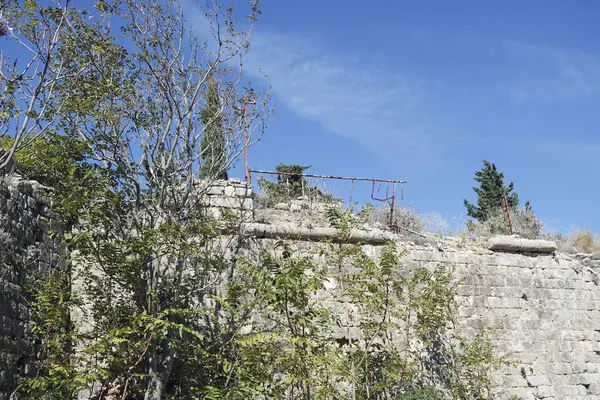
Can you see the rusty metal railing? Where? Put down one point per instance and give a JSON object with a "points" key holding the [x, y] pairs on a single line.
{"points": [[390, 192]]}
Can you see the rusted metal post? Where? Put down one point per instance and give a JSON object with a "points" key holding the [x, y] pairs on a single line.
{"points": [[504, 204], [392, 204], [247, 172]]}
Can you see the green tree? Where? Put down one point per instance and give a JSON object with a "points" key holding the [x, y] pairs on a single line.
{"points": [[30, 98], [133, 100], [490, 192], [213, 146], [151, 272]]}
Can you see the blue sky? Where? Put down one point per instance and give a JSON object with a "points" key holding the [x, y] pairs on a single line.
{"points": [[425, 90]]}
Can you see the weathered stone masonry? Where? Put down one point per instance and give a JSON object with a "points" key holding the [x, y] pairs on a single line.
{"points": [[26, 252], [545, 308]]}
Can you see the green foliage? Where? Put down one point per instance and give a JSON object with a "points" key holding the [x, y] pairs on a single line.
{"points": [[289, 187], [52, 328], [268, 335], [213, 144], [344, 219], [490, 192], [416, 311], [172, 308], [59, 162], [422, 394]]}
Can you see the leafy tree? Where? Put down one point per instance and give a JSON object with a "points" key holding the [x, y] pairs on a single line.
{"points": [[60, 163], [30, 96], [213, 144], [406, 347], [133, 103], [490, 192]]}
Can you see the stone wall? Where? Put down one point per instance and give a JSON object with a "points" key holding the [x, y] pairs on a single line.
{"points": [[226, 198], [26, 253], [544, 309]]}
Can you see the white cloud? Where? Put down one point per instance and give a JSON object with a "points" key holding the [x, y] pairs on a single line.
{"points": [[550, 74], [349, 96], [364, 98]]}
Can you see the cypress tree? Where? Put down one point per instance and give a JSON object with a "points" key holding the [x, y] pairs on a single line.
{"points": [[490, 192], [213, 141]]}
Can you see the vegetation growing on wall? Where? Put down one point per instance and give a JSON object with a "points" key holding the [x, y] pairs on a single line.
{"points": [[488, 214], [407, 345], [289, 187], [269, 335], [490, 192]]}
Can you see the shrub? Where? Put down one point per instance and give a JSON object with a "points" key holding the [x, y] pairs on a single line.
{"points": [[422, 394], [289, 187], [585, 241], [404, 216], [435, 223], [524, 223]]}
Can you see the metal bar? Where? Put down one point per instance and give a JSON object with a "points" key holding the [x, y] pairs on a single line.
{"points": [[246, 140], [504, 204], [258, 171], [377, 198], [398, 227], [392, 205], [247, 171]]}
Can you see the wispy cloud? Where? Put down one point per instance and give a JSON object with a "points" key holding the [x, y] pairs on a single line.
{"points": [[372, 100], [350, 96], [549, 74]]}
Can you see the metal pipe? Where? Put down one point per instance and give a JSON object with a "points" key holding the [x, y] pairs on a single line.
{"points": [[258, 171], [247, 171], [392, 205]]}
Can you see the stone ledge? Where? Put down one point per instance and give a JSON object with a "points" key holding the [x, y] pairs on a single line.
{"points": [[520, 245], [295, 232]]}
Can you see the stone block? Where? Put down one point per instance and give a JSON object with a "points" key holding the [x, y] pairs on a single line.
{"points": [[215, 190], [538, 380], [229, 191], [295, 207], [545, 391]]}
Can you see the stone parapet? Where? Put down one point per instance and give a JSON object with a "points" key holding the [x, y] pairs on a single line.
{"points": [[223, 199]]}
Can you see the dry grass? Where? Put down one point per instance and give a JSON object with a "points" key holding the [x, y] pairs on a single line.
{"points": [[578, 241], [404, 216], [524, 223]]}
